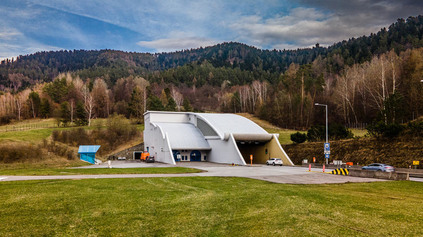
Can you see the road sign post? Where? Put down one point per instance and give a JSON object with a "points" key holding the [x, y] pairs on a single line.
{"points": [[327, 151]]}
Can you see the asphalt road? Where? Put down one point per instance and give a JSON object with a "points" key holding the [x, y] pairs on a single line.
{"points": [[276, 174]]}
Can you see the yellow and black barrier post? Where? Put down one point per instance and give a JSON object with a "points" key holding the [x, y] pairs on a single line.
{"points": [[340, 171]]}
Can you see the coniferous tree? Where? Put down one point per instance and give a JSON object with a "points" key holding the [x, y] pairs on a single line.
{"points": [[136, 104], [236, 103], [81, 115], [154, 103], [45, 108], [57, 90], [65, 113], [187, 106], [171, 105]]}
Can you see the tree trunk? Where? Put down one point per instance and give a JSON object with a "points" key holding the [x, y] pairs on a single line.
{"points": [[71, 109], [32, 106], [383, 91], [19, 107]]}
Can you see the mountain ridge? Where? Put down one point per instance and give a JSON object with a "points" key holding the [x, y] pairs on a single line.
{"points": [[114, 64]]}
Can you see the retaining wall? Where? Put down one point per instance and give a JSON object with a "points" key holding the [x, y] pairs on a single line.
{"points": [[379, 174]]}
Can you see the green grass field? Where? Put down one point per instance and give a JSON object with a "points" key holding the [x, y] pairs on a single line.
{"points": [[208, 206], [284, 134], [33, 135], [38, 129], [76, 171], [43, 123], [359, 132]]}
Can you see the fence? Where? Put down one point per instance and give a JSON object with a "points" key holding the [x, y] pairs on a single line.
{"points": [[24, 127]]}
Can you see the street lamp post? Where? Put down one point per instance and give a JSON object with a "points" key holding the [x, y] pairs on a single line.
{"points": [[326, 108]]}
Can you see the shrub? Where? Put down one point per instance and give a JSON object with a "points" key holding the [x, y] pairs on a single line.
{"points": [[380, 129], [336, 132], [59, 149], [316, 133], [118, 131], [415, 129], [19, 152], [298, 137], [393, 130], [6, 119], [56, 135]]}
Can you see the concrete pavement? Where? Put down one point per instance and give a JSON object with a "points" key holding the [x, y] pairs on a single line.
{"points": [[276, 174]]}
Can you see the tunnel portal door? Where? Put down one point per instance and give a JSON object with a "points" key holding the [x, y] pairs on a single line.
{"points": [[195, 155]]}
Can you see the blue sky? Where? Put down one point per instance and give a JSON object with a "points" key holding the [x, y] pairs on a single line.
{"points": [[28, 26]]}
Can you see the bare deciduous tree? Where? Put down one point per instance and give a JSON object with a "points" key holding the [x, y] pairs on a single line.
{"points": [[88, 103], [178, 97]]}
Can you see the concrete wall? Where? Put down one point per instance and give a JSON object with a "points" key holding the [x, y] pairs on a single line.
{"points": [[158, 146], [164, 117], [276, 151], [167, 152], [379, 174], [225, 151]]}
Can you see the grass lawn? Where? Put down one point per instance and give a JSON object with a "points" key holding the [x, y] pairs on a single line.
{"points": [[284, 135], [359, 132], [75, 171], [208, 206], [37, 132], [34, 135], [51, 122]]}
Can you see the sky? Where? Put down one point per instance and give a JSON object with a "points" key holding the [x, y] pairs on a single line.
{"points": [[29, 26]]}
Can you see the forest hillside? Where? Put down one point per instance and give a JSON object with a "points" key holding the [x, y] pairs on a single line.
{"points": [[365, 79]]}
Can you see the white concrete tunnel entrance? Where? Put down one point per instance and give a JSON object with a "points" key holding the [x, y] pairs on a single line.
{"points": [[261, 146]]}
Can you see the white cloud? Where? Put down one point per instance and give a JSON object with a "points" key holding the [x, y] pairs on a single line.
{"points": [[177, 42], [302, 27], [9, 34], [14, 43], [281, 24]]}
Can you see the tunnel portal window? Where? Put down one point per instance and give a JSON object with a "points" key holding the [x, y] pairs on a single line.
{"points": [[205, 128]]}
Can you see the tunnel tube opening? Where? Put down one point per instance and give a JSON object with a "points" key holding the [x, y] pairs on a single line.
{"points": [[259, 150]]}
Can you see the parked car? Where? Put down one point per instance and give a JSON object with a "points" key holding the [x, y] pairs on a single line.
{"points": [[150, 159], [274, 161], [379, 167]]}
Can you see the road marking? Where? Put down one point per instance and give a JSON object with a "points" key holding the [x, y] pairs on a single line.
{"points": [[319, 172], [1, 178], [416, 179]]}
